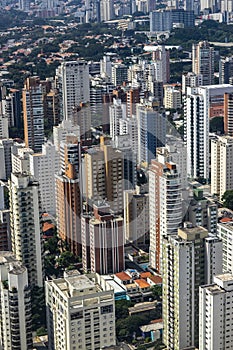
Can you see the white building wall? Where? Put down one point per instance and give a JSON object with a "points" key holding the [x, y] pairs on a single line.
{"points": [[74, 81], [197, 132], [43, 167]]}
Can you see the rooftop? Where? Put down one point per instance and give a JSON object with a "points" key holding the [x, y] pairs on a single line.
{"points": [[123, 276], [142, 283], [225, 277], [79, 282], [156, 279]]}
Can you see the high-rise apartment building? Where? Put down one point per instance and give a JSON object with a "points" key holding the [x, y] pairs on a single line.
{"points": [[203, 61], [81, 117], [225, 233], [136, 216], [80, 312], [5, 233], [62, 130], [160, 21], [103, 240], [104, 174], [176, 151], [165, 204], [189, 5], [117, 111], [161, 64], [163, 20], [225, 70], [191, 79], [73, 85], [52, 107], [202, 211], [133, 97], [106, 67], [4, 132], [119, 73], [156, 89], [212, 5], [124, 144], [68, 196], [201, 104], [106, 10], [20, 159], [151, 132], [190, 259], [43, 167], [5, 158], [172, 97], [197, 133], [15, 311], [33, 113], [221, 165], [215, 320], [26, 233], [228, 113]]}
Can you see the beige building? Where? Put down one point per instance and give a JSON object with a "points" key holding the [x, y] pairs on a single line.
{"points": [[104, 176], [136, 216], [221, 165], [26, 230], [165, 203], [80, 312], [68, 195], [172, 97], [102, 241], [203, 61]]}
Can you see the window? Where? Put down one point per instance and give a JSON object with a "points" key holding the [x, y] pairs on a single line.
{"points": [[106, 309]]}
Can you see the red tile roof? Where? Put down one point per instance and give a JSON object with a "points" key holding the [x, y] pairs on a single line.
{"points": [[145, 274], [156, 279], [225, 220], [123, 276], [142, 283]]}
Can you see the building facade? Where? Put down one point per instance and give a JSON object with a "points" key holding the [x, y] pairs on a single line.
{"points": [[43, 167], [221, 165], [33, 113], [80, 312], [103, 241], [16, 313], [203, 61], [215, 322], [190, 259], [73, 85], [25, 223], [165, 206]]}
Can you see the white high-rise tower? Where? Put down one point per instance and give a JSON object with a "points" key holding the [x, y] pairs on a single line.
{"points": [[25, 225], [15, 310], [73, 84]]}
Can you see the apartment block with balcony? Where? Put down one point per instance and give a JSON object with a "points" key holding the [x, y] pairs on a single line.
{"points": [[25, 224], [80, 312], [190, 259], [15, 310], [216, 307]]}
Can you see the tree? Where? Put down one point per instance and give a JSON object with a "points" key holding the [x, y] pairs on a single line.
{"points": [[52, 245], [227, 199], [121, 308], [66, 259], [38, 308], [157, 291], [217, 125]]}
